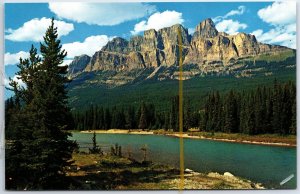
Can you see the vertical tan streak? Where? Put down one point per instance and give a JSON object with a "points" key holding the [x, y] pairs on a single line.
{"points": [[181, 185]]}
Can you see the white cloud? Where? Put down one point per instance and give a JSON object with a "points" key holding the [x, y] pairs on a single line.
{"points": [[281, 36], [279, 13], [14, 58], [159, 20], [89, 46], [6, 82], [241, 9], [15, 78], [191, 30], [67, 62], [282, 16], [103, 14], [230, 26], [34, 30], [257, 33]]}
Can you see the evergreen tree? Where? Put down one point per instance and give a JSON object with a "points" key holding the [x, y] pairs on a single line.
{"points": [[286, 112], [42, 149], [107, 119], [130, 118], [167, 121], [150, 115], [9, 113], [187, 117], [100, 121], [143, 117], [276, 109], [174, 117], [95, 149], [293, 128], [230, 111]]}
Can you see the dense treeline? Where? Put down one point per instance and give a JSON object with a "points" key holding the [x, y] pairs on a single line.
{"points": [[144, 117], [263, 110]]}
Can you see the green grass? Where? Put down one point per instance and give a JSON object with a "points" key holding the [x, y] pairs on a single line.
{"points": [[278, 57], [95, 172]]}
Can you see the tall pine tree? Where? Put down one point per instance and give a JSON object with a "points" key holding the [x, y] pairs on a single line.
{"points": [[41, 150]]}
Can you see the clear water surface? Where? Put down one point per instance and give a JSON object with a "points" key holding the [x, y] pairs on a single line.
{"points": [[260, 163]]}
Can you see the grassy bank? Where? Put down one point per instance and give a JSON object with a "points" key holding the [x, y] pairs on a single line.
{"points": [[263, 139], [105, 172]]}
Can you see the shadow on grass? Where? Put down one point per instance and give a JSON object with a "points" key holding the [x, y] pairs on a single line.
{"points": [[110, 177]]}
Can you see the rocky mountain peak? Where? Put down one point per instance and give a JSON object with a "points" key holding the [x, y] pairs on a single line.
{"points": [[207, 51], [149, 34], [135, 43], [206, 29], [117, 44]]}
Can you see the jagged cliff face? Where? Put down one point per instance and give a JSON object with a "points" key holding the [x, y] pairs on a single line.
{"points": [[78, 65], [208, 45], [208, 50], [205, 29], [154, 49]]}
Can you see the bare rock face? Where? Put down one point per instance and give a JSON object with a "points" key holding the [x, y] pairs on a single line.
{"points": [[135, 43], [206, 29], [107, 60], [154, 49], [170, 42], [208, 50], [246, 44], [78, 64], [204, 50], [214, 51], [118, 45]]}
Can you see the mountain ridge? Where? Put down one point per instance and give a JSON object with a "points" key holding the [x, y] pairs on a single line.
{"points": [[206, 51]]}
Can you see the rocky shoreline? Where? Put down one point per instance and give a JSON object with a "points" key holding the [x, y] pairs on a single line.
{"points": [[214, 180]]}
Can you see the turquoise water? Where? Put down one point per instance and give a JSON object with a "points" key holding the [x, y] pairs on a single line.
{"points": [[265, 164]]}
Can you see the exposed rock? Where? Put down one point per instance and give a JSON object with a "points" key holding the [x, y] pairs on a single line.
{"points": [[188, 170], [206, 29], [228, 174], [155, 48], [119, 45], [213, 181], [169, 43], [245, 44], [78, 64], [207, 51]]}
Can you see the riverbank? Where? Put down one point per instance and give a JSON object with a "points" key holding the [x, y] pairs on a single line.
{"points": [[120, 131], [106, 172], [258, 140], [265, 139]]}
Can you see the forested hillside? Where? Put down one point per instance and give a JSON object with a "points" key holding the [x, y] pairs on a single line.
{"points": [[262, 110]]}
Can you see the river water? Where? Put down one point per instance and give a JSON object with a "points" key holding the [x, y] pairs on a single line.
{"points": [[260, 163]]}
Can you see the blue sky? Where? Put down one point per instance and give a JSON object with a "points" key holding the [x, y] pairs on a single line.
{"points": [[85, 27]]}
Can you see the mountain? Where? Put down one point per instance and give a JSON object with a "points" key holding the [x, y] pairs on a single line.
{"points": [[145, 68], [78, 65], [155, 56]]}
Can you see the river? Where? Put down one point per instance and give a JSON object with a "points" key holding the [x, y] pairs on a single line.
{"points": [[259, 163]]}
